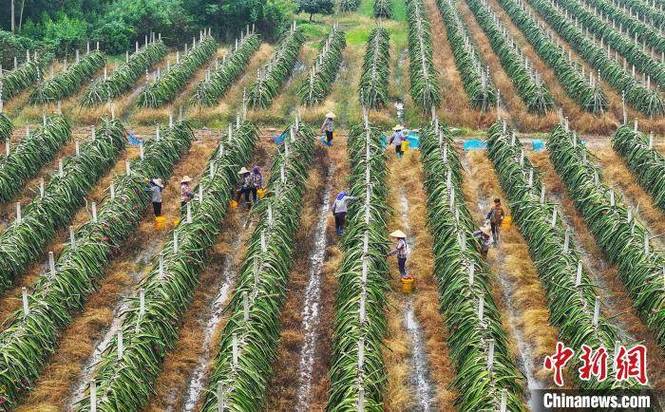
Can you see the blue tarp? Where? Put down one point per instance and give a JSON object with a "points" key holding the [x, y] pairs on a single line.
{"points": [[538, 145], [134, 140], [474, 144], [279, 139]]}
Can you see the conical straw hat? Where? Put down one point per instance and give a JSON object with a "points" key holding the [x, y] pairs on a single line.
{"points": [[398, 234]]}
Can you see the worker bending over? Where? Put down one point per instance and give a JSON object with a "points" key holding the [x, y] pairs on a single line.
{"points": [[339, 208], [484, 239], [185, 191]]}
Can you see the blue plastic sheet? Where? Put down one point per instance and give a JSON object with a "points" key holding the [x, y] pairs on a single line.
{"points": [[134, 140], [538, 145], [279, 139], [474, 144]]}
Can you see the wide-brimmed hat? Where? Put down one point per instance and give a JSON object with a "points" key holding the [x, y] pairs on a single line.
{"points": [[158, 182], [186, 179], [398, 234], [330, 115], [486, 229], [243, 171], [398, 128]]}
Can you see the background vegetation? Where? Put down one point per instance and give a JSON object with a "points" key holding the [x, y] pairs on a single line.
{"points": [[64, 25]]}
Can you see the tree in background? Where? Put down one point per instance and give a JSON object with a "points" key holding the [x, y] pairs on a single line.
{"points": [[316, 6], [227, 18], [126, 21], [13, 46], [64, 25]]}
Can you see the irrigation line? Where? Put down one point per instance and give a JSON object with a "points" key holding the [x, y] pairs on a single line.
{"points": [[420, 371], [311, 312]]}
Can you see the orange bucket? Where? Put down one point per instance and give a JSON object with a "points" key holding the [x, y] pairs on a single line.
{"points": [[233, 204], [160, 223], [408, 283], [506, 223]]}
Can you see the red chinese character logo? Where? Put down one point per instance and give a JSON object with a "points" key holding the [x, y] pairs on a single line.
{"points": [[558, 361], [631, 363], [593, 363]]}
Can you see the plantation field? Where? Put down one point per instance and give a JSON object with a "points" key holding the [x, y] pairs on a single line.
{"points": [[217, 307]]}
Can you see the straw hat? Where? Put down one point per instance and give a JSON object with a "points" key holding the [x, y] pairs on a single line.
{"points": [[186, 179], [330, 115], [243, 171], [398, 128], [398, 234], [486, 230], [158, 182]]}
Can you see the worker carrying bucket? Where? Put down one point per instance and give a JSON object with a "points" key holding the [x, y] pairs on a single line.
{"points": [[401, 250], [398, 139]]}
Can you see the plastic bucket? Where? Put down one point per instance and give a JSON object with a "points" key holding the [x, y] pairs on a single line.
{"points": [[261, 193], [233, 204], [405, 146], [160, 223], [408, 284], [506, 223]]}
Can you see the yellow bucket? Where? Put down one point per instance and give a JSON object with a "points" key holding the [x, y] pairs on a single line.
{"points": [[233, 204], [261, 193], [405, 146], [408, 285], [506, 223], [160, 223]]}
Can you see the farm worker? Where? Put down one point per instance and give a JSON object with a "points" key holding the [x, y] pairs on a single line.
{"points": [[327, 127], [401, 250], [339, 209], [155, 188], [397, 138], [257, 183], [185, 191], [484, 238], [495, 217], [245, 185]]}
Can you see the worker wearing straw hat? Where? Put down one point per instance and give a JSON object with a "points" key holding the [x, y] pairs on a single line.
{"points": [[401, 250], [397, 138], [328, 127], [245, 186], [185, 191], [155, 187], [484, 238]]}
